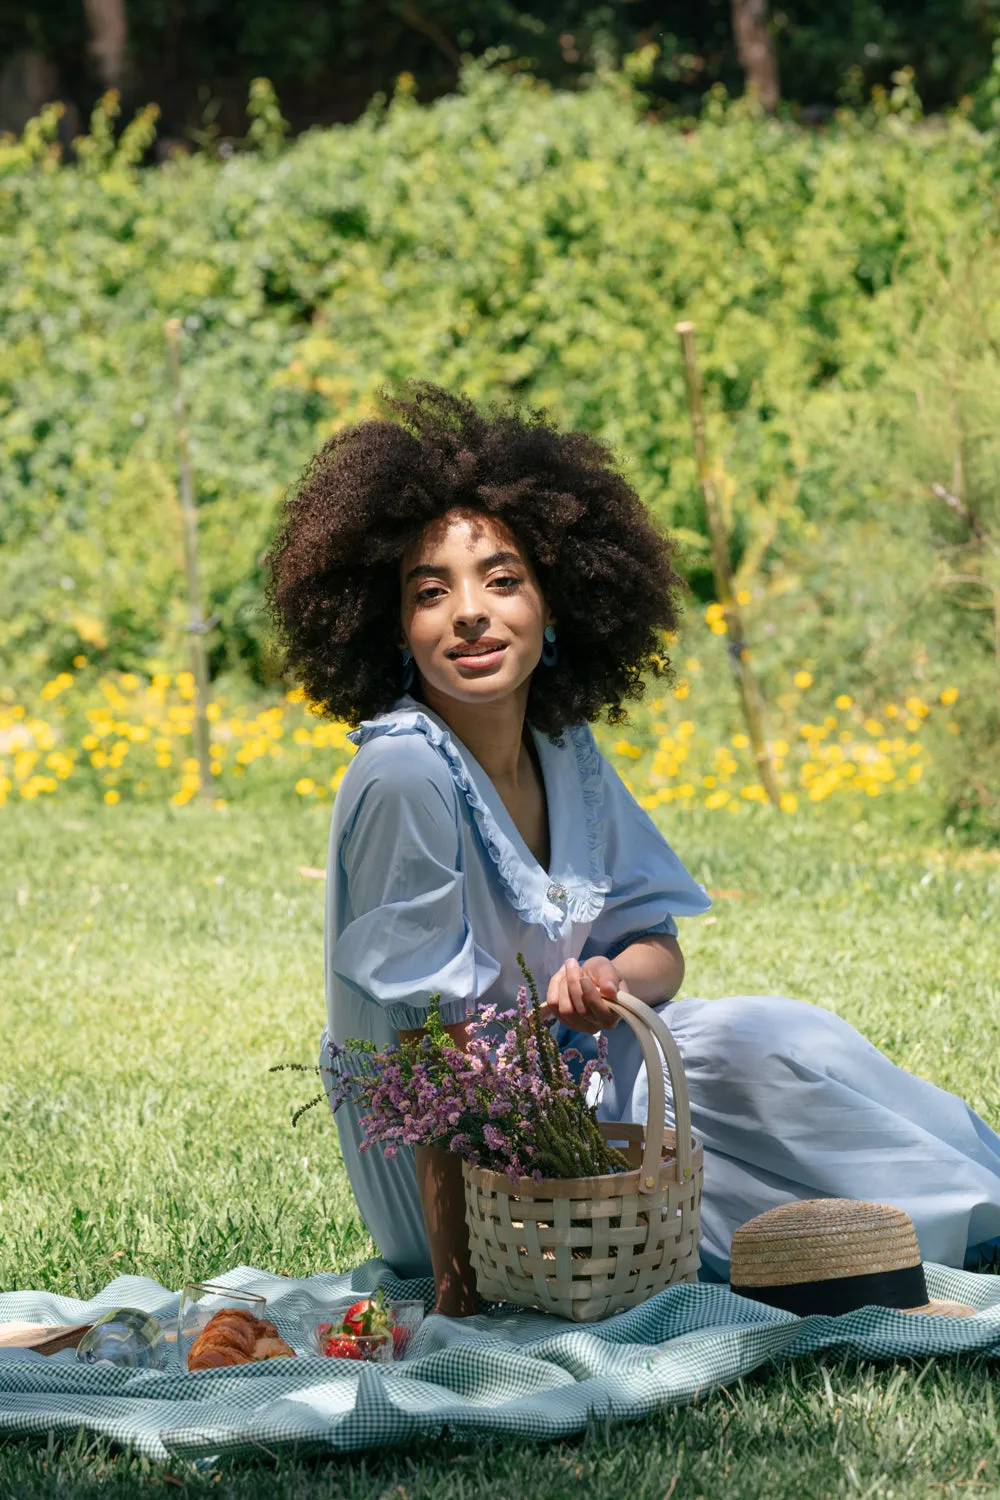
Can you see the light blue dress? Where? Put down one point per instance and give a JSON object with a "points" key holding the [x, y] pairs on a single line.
{"points": [[431, 889]]}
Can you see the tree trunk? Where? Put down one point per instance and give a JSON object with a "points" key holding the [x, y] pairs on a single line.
{"points": [[755, 50], [108, 39]]}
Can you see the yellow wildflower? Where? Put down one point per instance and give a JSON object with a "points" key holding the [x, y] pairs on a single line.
{"points": [[949, 695], [803, 679], [305, 785], [843, 700], [112, 797]]}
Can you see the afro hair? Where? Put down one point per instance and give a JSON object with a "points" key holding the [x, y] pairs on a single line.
{"points": [[366, 497]]}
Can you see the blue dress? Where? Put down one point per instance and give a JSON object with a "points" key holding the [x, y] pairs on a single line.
{"points": [[431, 889]]}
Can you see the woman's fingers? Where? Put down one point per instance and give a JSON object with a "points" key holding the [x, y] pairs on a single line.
{"points": [[574, 986]]}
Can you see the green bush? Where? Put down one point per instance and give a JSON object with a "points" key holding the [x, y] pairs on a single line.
{"points": [[515, 242]]}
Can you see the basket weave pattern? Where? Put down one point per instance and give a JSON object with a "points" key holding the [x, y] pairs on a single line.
{"points": [[584, 1248]]}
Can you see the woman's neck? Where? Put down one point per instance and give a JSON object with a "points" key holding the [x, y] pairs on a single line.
{"points": [[492, 732]]}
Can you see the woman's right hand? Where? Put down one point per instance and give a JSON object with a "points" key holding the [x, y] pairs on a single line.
{"points": [[578, 994]]}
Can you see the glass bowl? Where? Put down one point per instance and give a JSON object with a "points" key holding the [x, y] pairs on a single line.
{"points": [[407, 1316], [376, 1348]]}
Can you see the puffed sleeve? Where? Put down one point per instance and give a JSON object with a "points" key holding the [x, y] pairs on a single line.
{"points": [[649, 885], [407, 935]]}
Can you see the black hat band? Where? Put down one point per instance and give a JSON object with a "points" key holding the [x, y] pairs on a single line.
{"points": [[843, 1294]]}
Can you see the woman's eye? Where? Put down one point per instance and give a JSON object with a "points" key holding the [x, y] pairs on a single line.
{"points": [[503, 584]]}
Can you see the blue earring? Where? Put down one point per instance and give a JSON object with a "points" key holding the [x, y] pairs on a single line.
{"points": [[550, 651], [408, 672]]}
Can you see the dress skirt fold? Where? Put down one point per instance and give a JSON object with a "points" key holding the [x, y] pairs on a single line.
{"points": [[790, 1101]]}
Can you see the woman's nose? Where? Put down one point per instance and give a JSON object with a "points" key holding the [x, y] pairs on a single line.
{"points": [[470, 607]]}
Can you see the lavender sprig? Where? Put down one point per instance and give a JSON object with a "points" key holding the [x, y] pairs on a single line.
{"points": [[512, 1106]]}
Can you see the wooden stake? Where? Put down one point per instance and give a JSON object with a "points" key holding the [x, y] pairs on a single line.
{"points": [[197, 626], [751, 698]]}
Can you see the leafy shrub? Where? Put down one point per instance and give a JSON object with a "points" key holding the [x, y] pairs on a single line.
{"points": [[517, 242]]}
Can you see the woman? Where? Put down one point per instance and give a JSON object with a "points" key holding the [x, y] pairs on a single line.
{"points": [[474, 590]]}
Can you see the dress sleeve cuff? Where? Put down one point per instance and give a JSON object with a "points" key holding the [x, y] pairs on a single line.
{"points": [[666, 928], [410, 1017]]}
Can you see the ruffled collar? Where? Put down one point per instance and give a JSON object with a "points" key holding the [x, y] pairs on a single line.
{"points": [[577, 882]]}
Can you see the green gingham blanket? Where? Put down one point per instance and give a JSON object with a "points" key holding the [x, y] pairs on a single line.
{"points": [[504, 1372]]}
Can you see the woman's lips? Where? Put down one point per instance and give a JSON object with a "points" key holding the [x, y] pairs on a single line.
{"points": [[479, 661]]}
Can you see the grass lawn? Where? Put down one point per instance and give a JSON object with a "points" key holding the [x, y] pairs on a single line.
{"points": [[153, 962]]}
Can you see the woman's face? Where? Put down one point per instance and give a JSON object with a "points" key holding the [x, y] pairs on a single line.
{"points": [[472, 609]]}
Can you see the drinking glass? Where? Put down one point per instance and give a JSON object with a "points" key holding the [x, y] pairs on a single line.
{"points": [[128, 1337], [200, 1301]]}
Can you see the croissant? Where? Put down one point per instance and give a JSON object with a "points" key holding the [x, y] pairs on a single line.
{"points": [[235, 1337]]}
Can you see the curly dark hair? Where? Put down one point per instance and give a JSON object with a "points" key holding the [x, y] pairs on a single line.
{"points": [[604, 568]]}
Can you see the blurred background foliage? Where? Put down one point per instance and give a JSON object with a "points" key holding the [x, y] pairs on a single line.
{"points": [[517, 241]]}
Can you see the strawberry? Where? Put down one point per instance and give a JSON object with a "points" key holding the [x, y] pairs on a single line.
{"points": [[360, 1317], [339, 1347], [369, 1315]]}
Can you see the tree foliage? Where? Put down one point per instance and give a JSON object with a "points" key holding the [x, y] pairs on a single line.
{"points": [[197, 57]]}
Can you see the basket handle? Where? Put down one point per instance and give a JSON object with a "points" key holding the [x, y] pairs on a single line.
{"points": [[647, 1024]]}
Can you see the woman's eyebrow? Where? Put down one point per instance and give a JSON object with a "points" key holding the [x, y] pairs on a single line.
{"points": [[433, 570]]}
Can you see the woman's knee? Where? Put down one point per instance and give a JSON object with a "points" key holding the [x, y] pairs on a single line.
{"points": [[755, 1031]]}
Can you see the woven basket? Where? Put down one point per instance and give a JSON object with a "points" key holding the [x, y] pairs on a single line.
{"points": [[586, 1247]]}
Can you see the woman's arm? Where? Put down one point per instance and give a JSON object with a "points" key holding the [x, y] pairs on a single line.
{"points": [[442, 1198], [652, 969]]}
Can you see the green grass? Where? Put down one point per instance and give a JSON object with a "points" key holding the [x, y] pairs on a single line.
{"points": [[154, 963]]}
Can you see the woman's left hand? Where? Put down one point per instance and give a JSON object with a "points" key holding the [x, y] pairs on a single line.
{"points": [[578, 994]]}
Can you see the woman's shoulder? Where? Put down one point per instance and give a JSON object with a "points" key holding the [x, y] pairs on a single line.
{"points": [[396, 759]]}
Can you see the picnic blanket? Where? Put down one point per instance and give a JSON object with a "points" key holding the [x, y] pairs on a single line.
{"points": [[504, 1372]]}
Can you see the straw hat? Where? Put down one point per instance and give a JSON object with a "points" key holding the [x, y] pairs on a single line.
{"points": [[832, 1255]]}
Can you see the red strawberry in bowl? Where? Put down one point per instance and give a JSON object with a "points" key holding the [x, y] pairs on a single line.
{"points": [[362, 1316], [339, 1347], [364, 1332]]}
